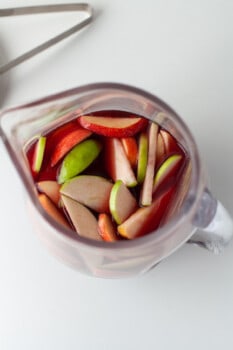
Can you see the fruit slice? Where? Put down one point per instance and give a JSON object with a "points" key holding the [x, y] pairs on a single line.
{"points": [[170, 143], [181, 191], [107, 229], [78, 159], [117, 164], [131, 150], [52, 210], [112, 126], [82, 218], [167, 169], [122, 203], [147, 187], [147, 219], [51, 189], [142, 157], [39, 154], [67, 143], [92, 191], [160, 150]]}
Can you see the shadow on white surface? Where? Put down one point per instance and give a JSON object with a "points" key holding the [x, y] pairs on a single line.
{"points": [[4, 78]]}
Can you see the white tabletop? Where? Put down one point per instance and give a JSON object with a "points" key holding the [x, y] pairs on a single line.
{"points": [[181, 51]]}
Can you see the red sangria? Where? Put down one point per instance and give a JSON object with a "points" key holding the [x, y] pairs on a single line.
{"points": [[108, 176]]}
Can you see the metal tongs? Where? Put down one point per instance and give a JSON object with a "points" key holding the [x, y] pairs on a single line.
{"points": [[30, 10]]}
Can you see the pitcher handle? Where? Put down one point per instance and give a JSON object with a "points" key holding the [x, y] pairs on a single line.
{"points": [[214, 224]]}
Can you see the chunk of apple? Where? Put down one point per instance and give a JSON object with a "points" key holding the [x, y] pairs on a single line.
{"points": [[167, 169], [85, 223], [78, 159], [146, 219], [117, 163], [39, 154], [51, 189], [92, 191], [122, 203], [107, 229], [67, 142], [147, 186], [131, 150], [142, 157], [52, 210], [112, 126]]}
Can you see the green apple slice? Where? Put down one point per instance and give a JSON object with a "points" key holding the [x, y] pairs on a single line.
{"points": [[166, 169], [78, 159], [39, 154], [122, 203], [92, 191], [85, 223], [142, 157]]}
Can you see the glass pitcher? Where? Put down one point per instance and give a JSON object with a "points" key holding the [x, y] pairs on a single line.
{"points": [[201, 219]]}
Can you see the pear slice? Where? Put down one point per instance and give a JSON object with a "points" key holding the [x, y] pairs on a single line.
{"points": [[92, 191], [147, 187], [117, 163], [147, 219], [82, 218], [52, 210], [107, 228], [78, 159], [51, 189], [39, 154], [167, 169], [142, 157], [122, 203]]}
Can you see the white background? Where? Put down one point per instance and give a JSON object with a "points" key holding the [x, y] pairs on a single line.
{"points": [[182, 51]]}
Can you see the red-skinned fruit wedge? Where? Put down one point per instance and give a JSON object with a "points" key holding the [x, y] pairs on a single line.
{"points": [[85, 223], [107, 229], [147, 187], [181, 191], [147, 219], [131, 150], [117, 164], [51, 189], [89, 190], [160, 150], [170, 144], [113, 126], [52, 210], [70, 140], [167, 169]]}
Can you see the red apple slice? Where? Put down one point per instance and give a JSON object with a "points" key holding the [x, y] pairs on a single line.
{"points": [[147, 219], [170, 143], [67, 143], [147, 187], [168, 168], [52, 210], [107, 229], [112, 126], [160, 150], [122, 203], [51, 189], [92, 191], [181, 191], [82, 218], [117, 164], [131, 150]]}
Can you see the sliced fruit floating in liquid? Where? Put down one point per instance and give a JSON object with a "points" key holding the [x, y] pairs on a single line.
{"points": [[109, 176]]}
